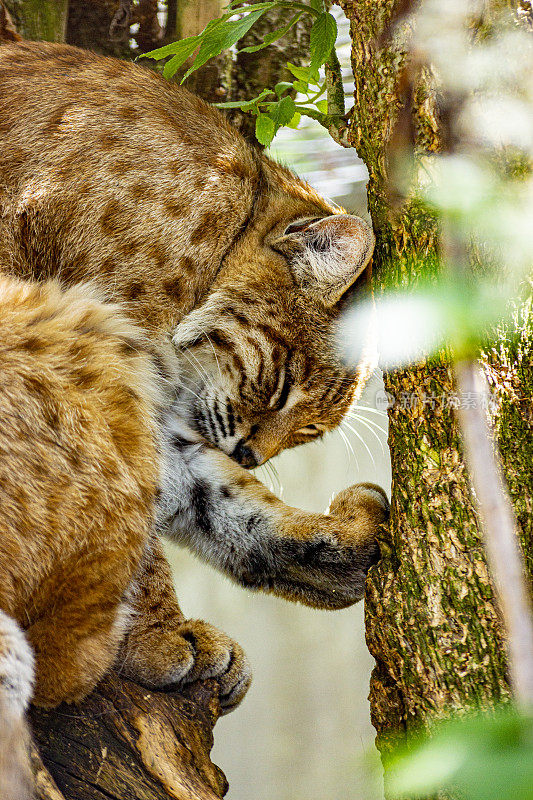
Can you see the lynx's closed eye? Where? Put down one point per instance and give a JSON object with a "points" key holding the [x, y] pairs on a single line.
{"points": [[310, 430]]}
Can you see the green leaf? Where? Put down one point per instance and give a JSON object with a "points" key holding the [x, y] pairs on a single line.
{"points": [[305, 74], [222, 36], [172, 66], [479, 757], [265, 129], [302, 73], [322, 39], [271, 37], [318, 5], [283, 111], [245, 104], [184, 47], [302, 87], [295, 121], [281, 87], [241, 9], [322, 106]]}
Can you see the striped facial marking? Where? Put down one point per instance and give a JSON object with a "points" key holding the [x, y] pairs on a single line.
{"points": [[256, 380]]}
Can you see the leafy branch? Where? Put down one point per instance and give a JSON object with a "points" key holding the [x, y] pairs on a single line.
{"points": [[273, 108]]}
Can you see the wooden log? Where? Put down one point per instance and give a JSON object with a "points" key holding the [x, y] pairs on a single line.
{"points": [[125, 742]]}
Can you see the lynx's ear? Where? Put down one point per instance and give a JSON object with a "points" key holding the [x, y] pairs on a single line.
{"points": [[327, 255]]}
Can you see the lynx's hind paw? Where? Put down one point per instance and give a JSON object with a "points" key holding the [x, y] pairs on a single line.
{"points": [[217, 656], [191, 651]]}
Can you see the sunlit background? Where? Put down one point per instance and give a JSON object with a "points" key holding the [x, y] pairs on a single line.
{"points": [[303, 731]]}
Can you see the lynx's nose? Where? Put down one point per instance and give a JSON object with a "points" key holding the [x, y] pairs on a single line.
{"points": [[244, 455]]}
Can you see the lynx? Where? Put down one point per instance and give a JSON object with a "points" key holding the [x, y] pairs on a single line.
{"points": [[167, 310]]}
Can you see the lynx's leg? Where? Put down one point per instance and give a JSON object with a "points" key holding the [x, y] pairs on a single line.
{"points": [[16, 686], [231, 520], [77, 641], [164, 649]]}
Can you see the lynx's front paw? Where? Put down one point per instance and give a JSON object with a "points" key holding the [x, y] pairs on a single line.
{"points": [[364, 504], [326, 565], [192, 651]]}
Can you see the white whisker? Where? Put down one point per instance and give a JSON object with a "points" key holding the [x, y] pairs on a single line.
{"points": [[275, 474], [356, 433], [186, 388], [348, 445], [214, 353], [358, 417], [198, 367], [368, 408], [265, 476], [372, 431]]}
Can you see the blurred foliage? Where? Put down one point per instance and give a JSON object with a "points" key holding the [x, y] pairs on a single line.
{"points": [[478, 188], [475, 757]]}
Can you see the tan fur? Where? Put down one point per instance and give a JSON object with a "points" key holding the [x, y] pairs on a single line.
{"points": [[111, 176], [78, 387]]}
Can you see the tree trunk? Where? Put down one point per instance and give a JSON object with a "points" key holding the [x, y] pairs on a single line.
{"points": [[89, 26], [125, 741], [40, 19], [431, 619], [212, 79]]}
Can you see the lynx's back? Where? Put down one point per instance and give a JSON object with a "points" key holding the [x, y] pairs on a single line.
{"points": [[108, 171], [87, 142]]}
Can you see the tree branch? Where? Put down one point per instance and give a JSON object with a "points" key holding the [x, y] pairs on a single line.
{"points": [[126, 741], [335, 86]]}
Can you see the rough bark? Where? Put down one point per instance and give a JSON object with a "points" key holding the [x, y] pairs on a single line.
{"points": [[88, 26], [124, 741], [40, 19], [508, 365], [431, 620]]}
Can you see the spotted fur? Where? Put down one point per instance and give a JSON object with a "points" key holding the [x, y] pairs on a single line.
{"points": [[117, 187]]}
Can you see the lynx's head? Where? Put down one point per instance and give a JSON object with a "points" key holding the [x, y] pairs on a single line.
{"points": [[259, 367]]}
